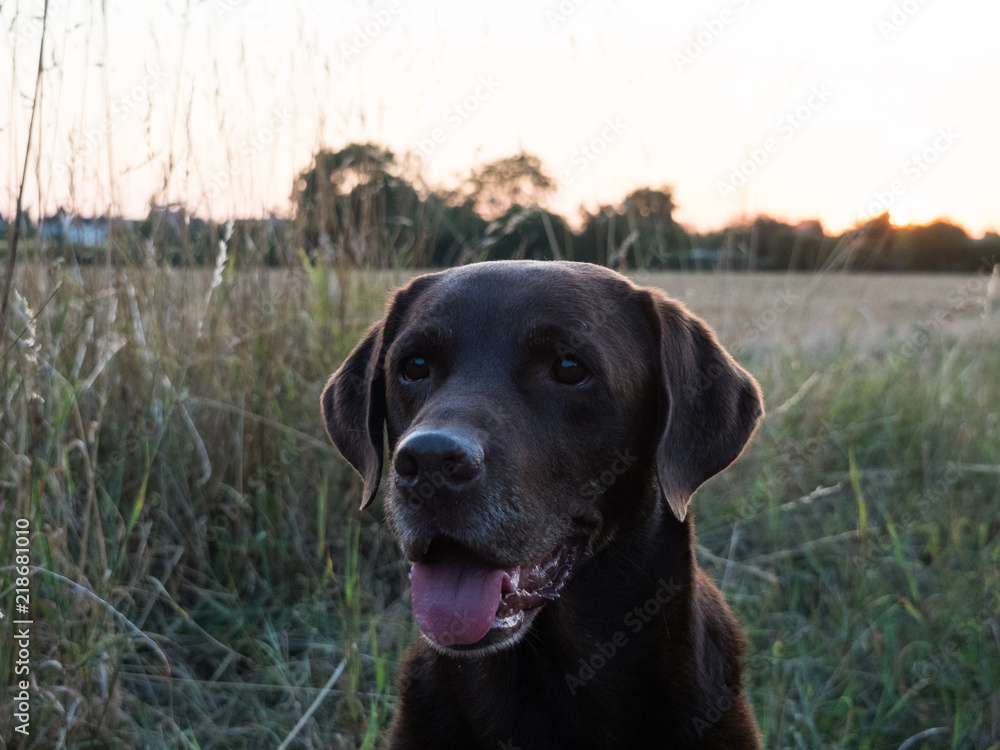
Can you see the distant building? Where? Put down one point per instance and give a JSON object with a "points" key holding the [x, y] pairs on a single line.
{"points": [[63, 228], [706, 255]]}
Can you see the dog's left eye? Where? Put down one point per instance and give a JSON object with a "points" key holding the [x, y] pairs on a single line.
{"points": [[569, 371], [416, 368]]}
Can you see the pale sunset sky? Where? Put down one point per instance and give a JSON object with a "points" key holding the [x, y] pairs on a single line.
{"points": [[797, 109]]}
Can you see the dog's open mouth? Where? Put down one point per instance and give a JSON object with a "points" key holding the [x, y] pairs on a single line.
{"points": [[462, 601]]}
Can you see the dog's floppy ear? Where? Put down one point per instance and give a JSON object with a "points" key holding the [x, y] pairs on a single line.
{"points": [[709, 406], [353, 401]]}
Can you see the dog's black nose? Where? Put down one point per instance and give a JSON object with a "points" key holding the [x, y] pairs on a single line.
{"points": [[440, 457]]}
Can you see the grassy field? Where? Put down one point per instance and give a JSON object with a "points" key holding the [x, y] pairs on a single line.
{"points": [[202, 570]]}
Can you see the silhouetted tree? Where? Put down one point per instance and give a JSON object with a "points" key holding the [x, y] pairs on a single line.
{"points": [[494, 189], [638, 233], [939, 246], [497, 214], [355, 206]]}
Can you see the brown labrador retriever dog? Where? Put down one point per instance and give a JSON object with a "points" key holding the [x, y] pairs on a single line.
{"points": [[547, 424]]}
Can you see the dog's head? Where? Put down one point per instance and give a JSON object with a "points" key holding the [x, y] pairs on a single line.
{"points": [[532, 411]]}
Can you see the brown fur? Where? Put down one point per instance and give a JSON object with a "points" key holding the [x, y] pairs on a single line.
{"points": [[640, 650]]}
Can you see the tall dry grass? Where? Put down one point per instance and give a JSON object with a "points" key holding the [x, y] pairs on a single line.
{"points": [[160, 431], [202, 570]]}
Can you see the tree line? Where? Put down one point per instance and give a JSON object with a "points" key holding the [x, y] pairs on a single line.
{"points": [[361, 207]]}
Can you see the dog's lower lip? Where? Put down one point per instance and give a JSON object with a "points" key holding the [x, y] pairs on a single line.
{"points": [[535, 584]]}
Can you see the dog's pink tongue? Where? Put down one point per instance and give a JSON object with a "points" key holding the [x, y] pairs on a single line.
{"points": [[455, 596]]}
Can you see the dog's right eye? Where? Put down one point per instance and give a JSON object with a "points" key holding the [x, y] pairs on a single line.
{"points": [[416, 368], [569, 371]]}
